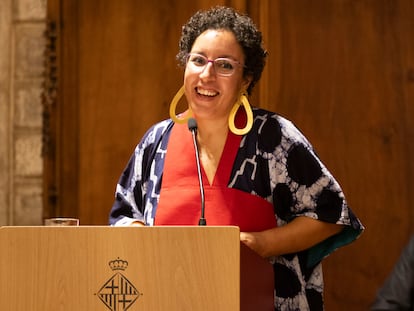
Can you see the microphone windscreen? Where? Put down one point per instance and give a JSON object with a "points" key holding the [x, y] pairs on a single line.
{"points": [[192, 124]]}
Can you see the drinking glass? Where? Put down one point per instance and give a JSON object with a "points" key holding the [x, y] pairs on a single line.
{"points": [[61, 221]]}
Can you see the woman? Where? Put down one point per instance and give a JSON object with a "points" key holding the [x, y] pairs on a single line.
{"points": [[259, 172]]}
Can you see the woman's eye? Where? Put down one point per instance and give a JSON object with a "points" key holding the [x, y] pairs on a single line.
{"points": [[199, 61], [224, 64]]}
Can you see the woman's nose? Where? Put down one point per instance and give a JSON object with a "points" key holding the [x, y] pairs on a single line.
{"points": [[208, 71]]}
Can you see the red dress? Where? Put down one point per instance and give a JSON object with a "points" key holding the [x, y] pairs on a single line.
{"points": [[180, 201]]}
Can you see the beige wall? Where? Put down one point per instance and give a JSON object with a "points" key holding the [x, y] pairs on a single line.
{"points": [[22, 26]]}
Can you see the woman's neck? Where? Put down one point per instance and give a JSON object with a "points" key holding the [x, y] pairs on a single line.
{"points": [[211, 131], [211, 138]]}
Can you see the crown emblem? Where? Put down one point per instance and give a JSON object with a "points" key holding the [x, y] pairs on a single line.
{"points": [[118, 264], [118, 293]]}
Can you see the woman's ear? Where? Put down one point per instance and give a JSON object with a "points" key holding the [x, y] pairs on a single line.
{"points": [[246, 82]]}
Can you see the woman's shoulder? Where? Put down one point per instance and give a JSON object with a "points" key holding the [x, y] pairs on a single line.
{"points": [[157, 130], [260, 113], [155, 134], [272, 121]]}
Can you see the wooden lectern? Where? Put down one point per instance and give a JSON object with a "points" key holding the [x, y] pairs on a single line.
{"points": [[131, 268]]}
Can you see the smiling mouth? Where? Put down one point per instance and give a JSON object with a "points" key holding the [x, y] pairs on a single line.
{"points": [[207, 93]]}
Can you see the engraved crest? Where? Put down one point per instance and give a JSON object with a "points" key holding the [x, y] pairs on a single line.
{"points": [[118, 293]]}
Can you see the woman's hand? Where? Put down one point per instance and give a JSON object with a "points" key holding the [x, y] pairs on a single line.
{"points": [[137, 223], [254, 241]]}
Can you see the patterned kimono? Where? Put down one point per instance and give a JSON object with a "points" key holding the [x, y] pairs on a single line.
{"points": [[273, 165]]}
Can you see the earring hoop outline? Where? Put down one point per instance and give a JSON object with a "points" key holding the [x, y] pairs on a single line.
{"points": [[173, 107], [243, 101]]}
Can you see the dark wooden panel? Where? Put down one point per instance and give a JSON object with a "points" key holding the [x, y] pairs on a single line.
{"points": [[61, 158], [341, 71]]}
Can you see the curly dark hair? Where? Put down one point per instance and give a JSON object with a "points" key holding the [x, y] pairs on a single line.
{"points": [[243, 28]]}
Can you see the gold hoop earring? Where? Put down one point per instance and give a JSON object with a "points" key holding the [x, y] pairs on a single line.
{"points": [[243, 101], [173, 107]]}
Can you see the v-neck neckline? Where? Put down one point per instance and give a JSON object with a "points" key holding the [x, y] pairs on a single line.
{"points": [[225, 164]]}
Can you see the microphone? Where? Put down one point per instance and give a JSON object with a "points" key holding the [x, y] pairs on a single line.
{"points": [[192, 127]]}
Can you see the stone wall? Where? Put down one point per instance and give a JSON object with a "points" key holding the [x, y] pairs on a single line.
{"points": [[22, 42]]}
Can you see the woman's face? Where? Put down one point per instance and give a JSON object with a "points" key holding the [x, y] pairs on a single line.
{"points": [[210, 95]]}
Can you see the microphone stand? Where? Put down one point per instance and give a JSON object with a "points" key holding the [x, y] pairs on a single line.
{"points": [[192, 126]]}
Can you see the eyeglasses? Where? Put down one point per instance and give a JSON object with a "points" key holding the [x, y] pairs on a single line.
{"points": [[222, 66]]}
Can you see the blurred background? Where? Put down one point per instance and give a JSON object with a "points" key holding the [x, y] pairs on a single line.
{"points": [[81, 81]]}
